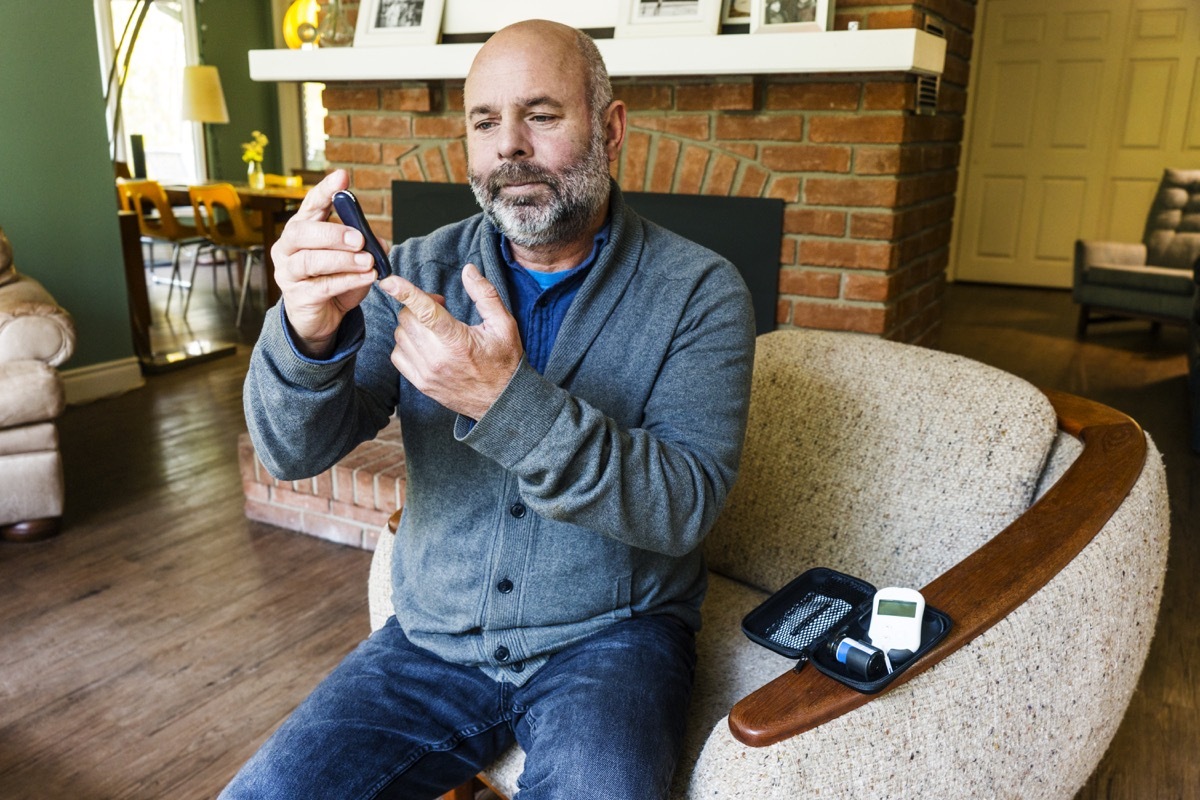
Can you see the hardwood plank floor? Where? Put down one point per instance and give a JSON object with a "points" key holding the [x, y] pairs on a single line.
{"points": [[1030, 333], [149, 649]]}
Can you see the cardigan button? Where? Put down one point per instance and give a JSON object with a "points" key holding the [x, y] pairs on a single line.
{"points": [[517, 510], [518, 666], [501, 653], [505, 586]]}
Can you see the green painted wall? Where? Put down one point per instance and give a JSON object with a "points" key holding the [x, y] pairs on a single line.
{"points": [[229, 29], [57, 202]]}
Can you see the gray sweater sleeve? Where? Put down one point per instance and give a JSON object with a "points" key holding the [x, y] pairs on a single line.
{"points": [[305, 415]]}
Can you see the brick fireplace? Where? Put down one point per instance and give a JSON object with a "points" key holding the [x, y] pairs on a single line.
{"points": [[869, 185]]}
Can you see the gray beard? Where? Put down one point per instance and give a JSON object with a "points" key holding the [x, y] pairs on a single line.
{"points": [[575, 195]]}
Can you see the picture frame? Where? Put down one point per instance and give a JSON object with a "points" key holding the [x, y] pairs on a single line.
{"points": [[736, 12], [388, 23], [463, 17], [790, 16], [735, 16], [668, 18]]}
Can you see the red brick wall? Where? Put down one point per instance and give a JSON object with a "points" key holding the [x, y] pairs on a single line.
{"points": [[348, 503], [869, 185]]}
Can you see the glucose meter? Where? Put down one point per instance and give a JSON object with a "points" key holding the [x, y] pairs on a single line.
{"points": [[896, 618]]}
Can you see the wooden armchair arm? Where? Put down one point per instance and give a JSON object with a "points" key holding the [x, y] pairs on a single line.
{"points": [[990, 583]]}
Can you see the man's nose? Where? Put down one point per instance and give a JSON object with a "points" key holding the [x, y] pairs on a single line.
{"points": [[513, 142]]}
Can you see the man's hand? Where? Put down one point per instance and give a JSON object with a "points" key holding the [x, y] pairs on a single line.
{"points": [[321, 269], [465, 368]]}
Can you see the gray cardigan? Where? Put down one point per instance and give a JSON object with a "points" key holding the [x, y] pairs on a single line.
{"points": [[581, 497]]}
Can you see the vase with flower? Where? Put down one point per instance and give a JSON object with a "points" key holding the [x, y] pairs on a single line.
{"points": [[252, 154]]}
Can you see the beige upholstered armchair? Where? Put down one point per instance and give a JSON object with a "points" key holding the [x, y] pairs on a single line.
{"points": [[1039, 523], [35, 337], [1151, 279]]}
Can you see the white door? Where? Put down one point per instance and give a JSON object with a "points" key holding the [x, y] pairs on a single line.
{"points": [[1078, 107]]}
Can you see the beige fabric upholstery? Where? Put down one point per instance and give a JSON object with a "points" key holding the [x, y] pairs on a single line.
{"points": [[854, 442], [893, 462], [31, 486], [42, 436], [7, 271], [36, 335], [32, 393], [32, 326]]}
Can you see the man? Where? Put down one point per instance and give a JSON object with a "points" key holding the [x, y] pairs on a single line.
{"points": [[573, 402]]}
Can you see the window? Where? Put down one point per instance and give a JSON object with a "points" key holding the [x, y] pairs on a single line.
{"points": [[314, 113], [152, 97]]}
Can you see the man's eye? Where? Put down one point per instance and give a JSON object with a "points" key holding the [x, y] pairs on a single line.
{"points": [[542, 118], [485, 125]]}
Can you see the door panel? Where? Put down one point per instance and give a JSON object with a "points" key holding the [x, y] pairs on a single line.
{"points": [[1079, 105]]}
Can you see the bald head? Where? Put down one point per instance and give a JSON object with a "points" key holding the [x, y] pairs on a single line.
{"points": [[558, 49]]}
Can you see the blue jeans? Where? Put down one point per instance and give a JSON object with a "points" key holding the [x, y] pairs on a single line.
{"points": [[603, 718]]}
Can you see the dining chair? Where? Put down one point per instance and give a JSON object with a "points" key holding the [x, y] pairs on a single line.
{"points": [[274, 179], [223, 220], [157, 222]]}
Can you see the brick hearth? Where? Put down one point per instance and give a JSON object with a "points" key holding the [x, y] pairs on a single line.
{"points": [[349, 503]]}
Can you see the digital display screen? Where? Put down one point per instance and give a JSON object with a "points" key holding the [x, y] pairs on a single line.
{"points": [[897, 608]]}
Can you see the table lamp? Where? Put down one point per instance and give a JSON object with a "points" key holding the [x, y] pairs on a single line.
{"points": [[203, 99]]}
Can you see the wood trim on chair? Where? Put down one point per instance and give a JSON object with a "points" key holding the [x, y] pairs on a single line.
{"points": [[990, 583]]}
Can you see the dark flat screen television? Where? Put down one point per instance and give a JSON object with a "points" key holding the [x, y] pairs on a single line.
{"points": [[745, 230]]}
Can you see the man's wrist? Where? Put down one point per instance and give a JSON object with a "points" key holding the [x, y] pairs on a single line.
{"points": [[316, 349], [347, 339]]}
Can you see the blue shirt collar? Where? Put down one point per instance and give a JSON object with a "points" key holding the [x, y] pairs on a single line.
{"points": [[547, 279]]}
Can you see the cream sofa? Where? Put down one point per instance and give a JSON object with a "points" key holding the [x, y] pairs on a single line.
{"points": [[36, 335], [905, 466]]}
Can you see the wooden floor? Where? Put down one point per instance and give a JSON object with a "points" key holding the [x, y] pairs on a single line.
{"points": [[148, 650], [1156, 752]]}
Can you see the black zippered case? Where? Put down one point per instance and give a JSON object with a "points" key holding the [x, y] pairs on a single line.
{"points": [[806, 619]]}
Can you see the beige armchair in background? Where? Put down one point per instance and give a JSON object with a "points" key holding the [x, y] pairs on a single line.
{"points": [[1151, 279], [1039, 523], [36, 335]]}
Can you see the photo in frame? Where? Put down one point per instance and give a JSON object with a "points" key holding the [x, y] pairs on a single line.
{"points": [[790, 16], [464, 17], [736, 12], [735, 16], [383, 23], [668, 18]]}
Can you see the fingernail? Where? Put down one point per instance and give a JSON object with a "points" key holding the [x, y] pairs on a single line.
{"points": [[472, 271], [352, 238], [363, 259]]}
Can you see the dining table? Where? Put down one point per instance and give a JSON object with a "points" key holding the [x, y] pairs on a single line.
{"points": [[277, 204]]}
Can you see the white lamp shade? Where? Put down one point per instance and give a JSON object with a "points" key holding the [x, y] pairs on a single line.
{"points": [[203, 100]]}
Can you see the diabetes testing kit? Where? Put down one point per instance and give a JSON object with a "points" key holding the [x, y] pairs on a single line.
{"points": [[856, 634]]}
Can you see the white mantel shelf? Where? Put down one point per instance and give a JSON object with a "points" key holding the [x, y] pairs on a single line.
{"points": [[894, 50]]}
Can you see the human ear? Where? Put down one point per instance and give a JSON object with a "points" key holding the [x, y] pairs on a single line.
{"points": [[614, 129]]}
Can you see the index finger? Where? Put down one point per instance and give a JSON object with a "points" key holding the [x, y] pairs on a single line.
{"points": [[319, 200], [425, 309]]}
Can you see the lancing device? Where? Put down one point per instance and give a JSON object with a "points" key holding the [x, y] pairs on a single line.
{"points": [[348, 209]]}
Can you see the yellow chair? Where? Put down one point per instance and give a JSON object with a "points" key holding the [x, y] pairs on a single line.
{"points": [[224, 222], [157, 222], [272, 179]]}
